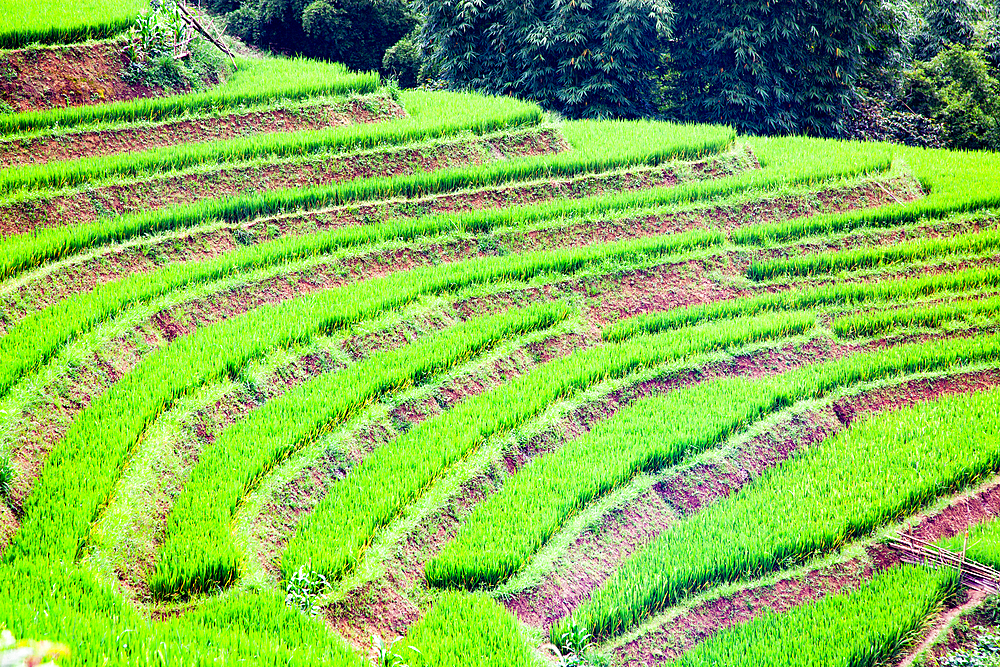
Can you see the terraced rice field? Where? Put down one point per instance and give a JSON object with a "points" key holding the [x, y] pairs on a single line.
{"points": [[284, 372]]}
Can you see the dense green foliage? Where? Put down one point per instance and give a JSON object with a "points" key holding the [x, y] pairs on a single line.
{"points": [[591, 59], [356, 33], [769, 68]]}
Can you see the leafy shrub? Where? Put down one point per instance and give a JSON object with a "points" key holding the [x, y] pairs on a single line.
{"points": [[770, 68], [986, 653], [583, 59], [356, 33], [404, 61], [304, 589], [877, 118], [957, 90]]}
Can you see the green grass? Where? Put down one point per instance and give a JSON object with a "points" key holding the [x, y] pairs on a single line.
{"points": [[429, 116], [879, 322], [332, 539], [957, 182], [462, 630], [839, 293], [981, 543], [62, 504], [973, 243], [877, 471], [866, 627], [255, 80], [198, 552], [590, 153], [49, 22], [103, 629], [502, 534]]}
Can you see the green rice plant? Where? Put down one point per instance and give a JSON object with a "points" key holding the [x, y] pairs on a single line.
{"points": [[64, 502], [198, 552], [877, 471], [973, 243], [980, 543], [32, 341], [333, 538], [462, 630], [429, 116], [956, 182], [501, 534], [100, 627], [255, 80], [867, 627], [22, 252], [48, 22], [831, 294], [879, 322]]}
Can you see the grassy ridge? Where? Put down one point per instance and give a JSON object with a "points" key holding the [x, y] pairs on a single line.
{"points": [[429, 116], [198, 552], [502, 534], [255, 80], [866, 627], [957, 182], [103, 629], [878, 322], [590, 153], [866, 258], [814, 503], [58, 512], [332, 539], [831, 294]]}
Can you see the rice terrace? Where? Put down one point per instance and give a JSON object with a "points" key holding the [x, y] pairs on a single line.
{"points": [[436, 333]]}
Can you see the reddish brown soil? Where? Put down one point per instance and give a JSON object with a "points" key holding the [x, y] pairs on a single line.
{"points": [[709, 483], [692, 628], [68, 76], [74, 145], [92, 203], [8, 525]]}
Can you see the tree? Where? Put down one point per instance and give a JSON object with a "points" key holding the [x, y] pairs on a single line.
{"points": [[582, 58], [771, 67], [946, 22], [354, 32]]}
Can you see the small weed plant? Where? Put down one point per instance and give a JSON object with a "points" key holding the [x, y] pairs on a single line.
{"points": [[6, 476], [986, 653], [383, 654], [574, 645], [304, 589]]}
